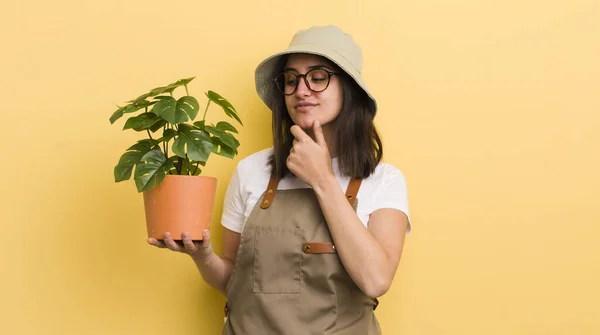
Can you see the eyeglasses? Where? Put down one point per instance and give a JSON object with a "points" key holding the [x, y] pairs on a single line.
{"points": [[317, 80]]}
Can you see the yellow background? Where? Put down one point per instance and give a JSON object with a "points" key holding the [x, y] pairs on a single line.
{"points": [[490, 108]]}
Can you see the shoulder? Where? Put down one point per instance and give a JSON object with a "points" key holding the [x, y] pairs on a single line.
{"points": [[385, 174], [253, 171], [257, 159], [385, 188]]}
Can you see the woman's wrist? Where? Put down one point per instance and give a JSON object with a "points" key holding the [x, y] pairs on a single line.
{"points": [[325, 185], [203, 259]]}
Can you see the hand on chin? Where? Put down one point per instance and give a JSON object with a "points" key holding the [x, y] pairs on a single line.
{"points": [[305, 123]]}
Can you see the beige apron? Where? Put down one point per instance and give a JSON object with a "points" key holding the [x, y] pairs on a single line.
{"points": [[288, 278]]}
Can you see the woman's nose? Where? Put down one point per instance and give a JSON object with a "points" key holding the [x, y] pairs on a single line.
{"points": [[302, 89]]}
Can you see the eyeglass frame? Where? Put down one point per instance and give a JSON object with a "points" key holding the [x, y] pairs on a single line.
{"points": [[298, 76]]}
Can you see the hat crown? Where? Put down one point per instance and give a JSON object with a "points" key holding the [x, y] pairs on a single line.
{"points": [[331, 37]]}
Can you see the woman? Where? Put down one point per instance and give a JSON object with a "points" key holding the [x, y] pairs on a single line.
{"points": [[314, 227]]}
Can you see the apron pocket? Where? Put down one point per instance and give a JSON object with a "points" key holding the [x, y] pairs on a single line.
{"points": [[277, 260]]}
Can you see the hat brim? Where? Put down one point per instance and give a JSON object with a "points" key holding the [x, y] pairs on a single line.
{"points": [[265, 71]]}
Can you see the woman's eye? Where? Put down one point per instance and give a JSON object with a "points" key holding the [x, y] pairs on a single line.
{"points": [[291, 82]]}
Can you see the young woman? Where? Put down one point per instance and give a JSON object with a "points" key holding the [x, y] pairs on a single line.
{"points": [[314, 227]]}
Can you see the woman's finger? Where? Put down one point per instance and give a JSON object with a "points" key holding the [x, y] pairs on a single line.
{"points": [[189, 245], [289, 163], [298, 133], [156, 243], [205, 239], [170, 243], [319, 134]]}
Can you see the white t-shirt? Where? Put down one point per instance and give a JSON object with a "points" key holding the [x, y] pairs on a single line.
{"points": [[385, 188]]}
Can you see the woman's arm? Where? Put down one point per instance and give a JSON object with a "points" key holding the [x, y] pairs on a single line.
{"points": [[215, 270], [370, 256]]}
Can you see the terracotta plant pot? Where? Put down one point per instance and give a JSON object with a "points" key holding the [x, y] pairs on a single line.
{"points": [[180, 204]]}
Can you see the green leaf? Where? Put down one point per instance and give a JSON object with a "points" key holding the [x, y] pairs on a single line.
{"points": [[226, 105], [227, 152], [117, 114], [196, 171], [137, 106], [184, 81], [222, 149], [130, 158], [142, 121], [164, 97], [168, 134], [199, 145], [167, 109], [199, 124], [151, 170], [157, 91], [181, 82], [187, 168], [130, 108], [224, 137], [160, 90], [229, 141], [188, 105], [184, 165], [158, 125], [147, 141], [140, 98], [214, 131], [225, 126]]}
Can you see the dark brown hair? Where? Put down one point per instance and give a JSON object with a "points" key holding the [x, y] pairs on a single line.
{"points": [[359, 147]]}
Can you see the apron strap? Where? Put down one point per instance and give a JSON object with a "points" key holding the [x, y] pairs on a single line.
{"points": [[270, 192], [269, 195], [352, 190]]}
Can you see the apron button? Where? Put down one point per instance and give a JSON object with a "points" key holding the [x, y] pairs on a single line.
{"points": [[307, 247], [266, 202], [333, 247]]}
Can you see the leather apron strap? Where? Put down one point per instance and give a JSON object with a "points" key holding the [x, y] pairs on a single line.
{"points": [[269, 195]]}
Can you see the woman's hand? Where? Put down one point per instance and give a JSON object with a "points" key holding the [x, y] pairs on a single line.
{"points": [[197, 250], [310, 160]]}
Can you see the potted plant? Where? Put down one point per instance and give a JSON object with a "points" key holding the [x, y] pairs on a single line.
{"points": [[166, 166]]}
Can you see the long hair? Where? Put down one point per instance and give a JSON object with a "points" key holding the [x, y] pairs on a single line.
{"points": [[359, 146]]}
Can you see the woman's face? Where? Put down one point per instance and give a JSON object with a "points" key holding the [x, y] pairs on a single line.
{"points": [[306, 106]]}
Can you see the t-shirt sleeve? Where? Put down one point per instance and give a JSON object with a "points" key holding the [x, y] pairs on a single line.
{"points": [[234, 206], [393, 193]]}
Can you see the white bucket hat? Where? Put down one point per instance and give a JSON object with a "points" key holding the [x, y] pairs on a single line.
{"points": [[330, 42]]}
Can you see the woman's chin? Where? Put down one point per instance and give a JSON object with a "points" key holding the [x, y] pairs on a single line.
{"points": [[305, 123]]}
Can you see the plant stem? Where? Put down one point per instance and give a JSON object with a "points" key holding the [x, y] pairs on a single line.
{"points": [[206, 110], [186, 90], [195, 169], [165, 144], [148, 130], [179, 165], [187, 160]]}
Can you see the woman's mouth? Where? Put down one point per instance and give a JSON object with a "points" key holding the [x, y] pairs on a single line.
{"points": [[304, 106]]}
